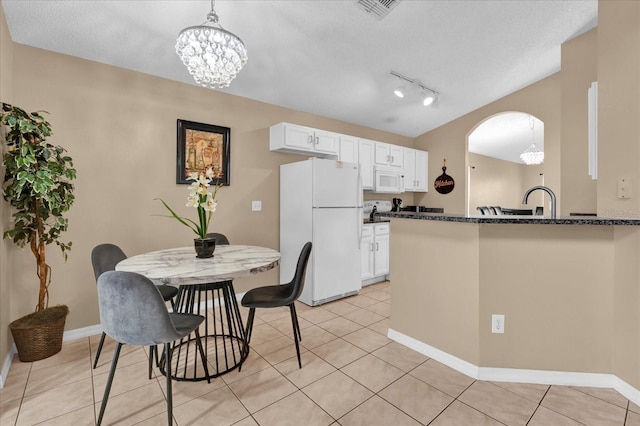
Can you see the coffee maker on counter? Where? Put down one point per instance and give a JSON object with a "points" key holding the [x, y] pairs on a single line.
{"points": [[397, 205]]}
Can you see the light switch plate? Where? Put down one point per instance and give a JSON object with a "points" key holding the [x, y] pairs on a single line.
{"points": [[256, 206], [624, 188]]}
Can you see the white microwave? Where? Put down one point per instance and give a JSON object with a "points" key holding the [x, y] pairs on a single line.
{"points": [[388, 181]]}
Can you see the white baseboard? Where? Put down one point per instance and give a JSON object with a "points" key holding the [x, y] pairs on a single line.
{"points": [[76, 334], [544, 377]]}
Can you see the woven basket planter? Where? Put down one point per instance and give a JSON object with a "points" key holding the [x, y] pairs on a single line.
{"points": [[39, 335]]}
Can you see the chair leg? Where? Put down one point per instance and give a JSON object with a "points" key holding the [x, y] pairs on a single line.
{"points": [[152, 351], [295, 315], [247, 334], [95, 363], [296, 336], [167, 357], [202, 355], [107, 389]]}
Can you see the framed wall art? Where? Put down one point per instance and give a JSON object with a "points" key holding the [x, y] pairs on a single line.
{"points": [[202, 146]]}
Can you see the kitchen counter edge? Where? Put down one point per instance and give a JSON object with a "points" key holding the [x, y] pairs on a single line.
{"points": [[512, 219]]}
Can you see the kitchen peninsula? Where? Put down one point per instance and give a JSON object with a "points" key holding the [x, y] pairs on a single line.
{"points": [[568, 288]]}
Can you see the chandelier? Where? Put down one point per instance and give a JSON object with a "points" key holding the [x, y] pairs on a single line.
{"points": [[532, 156], [213, 55]]}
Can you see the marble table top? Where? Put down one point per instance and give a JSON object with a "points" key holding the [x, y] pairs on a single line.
{"points": [[180, 266]]}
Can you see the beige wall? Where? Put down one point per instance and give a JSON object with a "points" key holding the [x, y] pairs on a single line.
{"points": [[120, 128], [579, 69], [434, 303], [541, 99], [560, 101], [619, 157], [6, 72], [618, 106], [495, 182], [553, 283]]}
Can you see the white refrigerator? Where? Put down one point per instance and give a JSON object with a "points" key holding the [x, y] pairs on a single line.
{"points": [[321, 202]]}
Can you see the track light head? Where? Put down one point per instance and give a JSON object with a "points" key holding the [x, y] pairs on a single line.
{"points": [[428, 98], [399, 92]]}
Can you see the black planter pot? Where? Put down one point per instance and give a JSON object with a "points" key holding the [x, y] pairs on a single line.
{"points": [[204, 247]]}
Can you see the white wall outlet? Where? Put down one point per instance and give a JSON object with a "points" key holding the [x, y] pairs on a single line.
{"points": [[497, 323], [256, 206]]}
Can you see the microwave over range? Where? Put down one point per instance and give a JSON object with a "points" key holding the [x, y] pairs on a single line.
{"points": [[388, 181]]}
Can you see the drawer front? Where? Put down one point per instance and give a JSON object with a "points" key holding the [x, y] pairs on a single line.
{"points": [[367, 231], [382, 228]]}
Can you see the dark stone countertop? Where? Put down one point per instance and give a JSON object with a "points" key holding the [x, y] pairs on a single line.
{"points": [[377, 219], [512, 219]]}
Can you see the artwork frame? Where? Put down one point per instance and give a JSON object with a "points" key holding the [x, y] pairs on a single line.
{"points": [[214, 145]]}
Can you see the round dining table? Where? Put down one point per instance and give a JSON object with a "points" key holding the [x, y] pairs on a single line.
{"points": [[205, 286]]}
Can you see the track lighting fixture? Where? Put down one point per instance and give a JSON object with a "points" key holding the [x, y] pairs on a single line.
{"points": [[427, 96]]}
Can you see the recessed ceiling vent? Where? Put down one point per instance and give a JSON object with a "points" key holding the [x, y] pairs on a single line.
{"points": [[377, 8]]}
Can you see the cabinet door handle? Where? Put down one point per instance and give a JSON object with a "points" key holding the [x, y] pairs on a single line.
{"points": [[371, 246], [310, 139], [377, 247], [317, 140]]}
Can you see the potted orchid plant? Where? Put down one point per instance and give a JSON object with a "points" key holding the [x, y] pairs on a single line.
{"points": [[204, 200]]}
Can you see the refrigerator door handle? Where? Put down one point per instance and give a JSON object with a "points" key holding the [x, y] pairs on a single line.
{"points": [[359, 197], [359, 227]]}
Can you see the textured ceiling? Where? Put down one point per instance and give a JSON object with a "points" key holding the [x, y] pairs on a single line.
{"points": [[329, 57]]}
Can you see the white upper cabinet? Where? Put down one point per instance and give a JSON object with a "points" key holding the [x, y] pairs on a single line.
{"points": [[285, 137], [415, 170], [365, 156], [389, 155], [411, 163], [348, 149]]}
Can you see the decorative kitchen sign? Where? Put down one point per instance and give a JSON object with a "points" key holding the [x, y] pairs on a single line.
{"points": [[200, 147], [444, 183]]}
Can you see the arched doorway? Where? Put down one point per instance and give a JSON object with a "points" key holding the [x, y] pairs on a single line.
{"points": [[496, 173]]}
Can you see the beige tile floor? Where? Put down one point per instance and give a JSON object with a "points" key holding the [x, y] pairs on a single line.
{"points": [[352, 375]]}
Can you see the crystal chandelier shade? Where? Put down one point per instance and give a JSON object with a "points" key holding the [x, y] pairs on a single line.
{"points": [[213, 55], [532, 156]]}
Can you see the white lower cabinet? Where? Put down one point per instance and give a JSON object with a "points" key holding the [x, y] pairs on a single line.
{"points": [[375, 252]]}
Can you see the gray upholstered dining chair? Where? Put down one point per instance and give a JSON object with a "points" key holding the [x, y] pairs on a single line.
{"points": [[133, 312], [221, 239], [105, 257], [275, 296]]}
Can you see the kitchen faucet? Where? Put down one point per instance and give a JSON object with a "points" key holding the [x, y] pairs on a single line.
{"points": [[372, 216], [548, 191]]}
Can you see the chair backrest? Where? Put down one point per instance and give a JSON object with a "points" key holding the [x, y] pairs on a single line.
{"points": [[297, 283], [221, 239], [132, 310], [105, 257], [483, 210], [498, 210]]}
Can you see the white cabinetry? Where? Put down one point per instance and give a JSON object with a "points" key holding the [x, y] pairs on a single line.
{"points": [[375, 252], [348, 149], [415, 170], [388, 155], [285, 137], [365, 156], [367, 252]]}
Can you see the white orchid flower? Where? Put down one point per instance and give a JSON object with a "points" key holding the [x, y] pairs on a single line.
{"points": [[193, 201], [209, 173], [210, 205]]}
